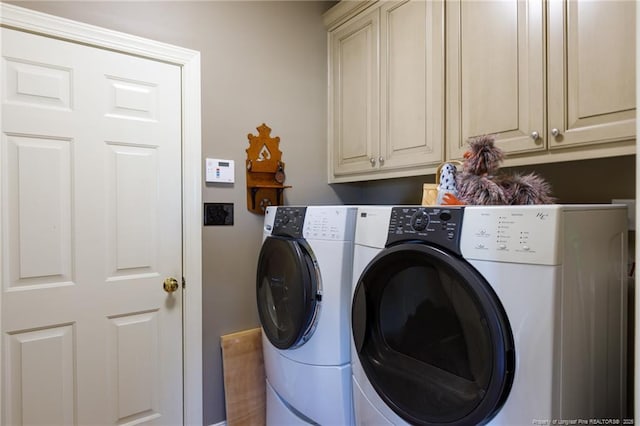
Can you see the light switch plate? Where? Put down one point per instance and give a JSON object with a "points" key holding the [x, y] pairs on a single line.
{"points": [[218, 214]]}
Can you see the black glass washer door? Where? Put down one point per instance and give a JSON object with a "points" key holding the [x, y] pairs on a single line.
{"points": [[432, 337], [286, 291]]}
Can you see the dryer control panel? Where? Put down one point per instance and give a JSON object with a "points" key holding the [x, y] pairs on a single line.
{"points": [[520, 234], [289, 221], [436, 225]]}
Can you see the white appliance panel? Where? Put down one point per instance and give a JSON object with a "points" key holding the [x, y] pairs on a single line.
{"points": [[561, 278], [312, 382], [278, 412], [321, 393]]}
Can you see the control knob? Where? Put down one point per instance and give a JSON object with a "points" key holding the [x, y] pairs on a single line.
{"points": [[420, 220]]}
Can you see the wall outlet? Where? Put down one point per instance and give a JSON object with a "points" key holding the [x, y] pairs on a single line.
{"points": [[218, 214], [631, 210]]}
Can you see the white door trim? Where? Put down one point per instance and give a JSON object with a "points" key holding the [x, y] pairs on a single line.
{"points": [[189, 60]]}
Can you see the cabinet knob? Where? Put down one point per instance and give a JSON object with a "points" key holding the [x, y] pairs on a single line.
{"points": [[535, 135], [381, 160], [555, 132], [372, 161]]}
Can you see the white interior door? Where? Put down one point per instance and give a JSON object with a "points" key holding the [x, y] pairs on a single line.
{"points": [[90, 189]]}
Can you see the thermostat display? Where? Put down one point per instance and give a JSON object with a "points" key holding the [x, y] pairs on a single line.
{"points": [[219, 171]]}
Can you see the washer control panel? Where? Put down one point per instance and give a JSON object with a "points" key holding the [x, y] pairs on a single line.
{"points": [[329, 223], [289, 221], [437, 225]]}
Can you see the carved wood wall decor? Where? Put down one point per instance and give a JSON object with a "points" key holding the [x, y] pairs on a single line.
{"points": [[265, 171]]}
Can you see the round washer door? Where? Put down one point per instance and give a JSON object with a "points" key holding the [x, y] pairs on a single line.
{"points": [[287, 292], [432, 337]]}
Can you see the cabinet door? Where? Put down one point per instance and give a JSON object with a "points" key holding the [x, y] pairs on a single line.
{"points": [[354, 100], [412, 80], [495, 74], [591, 72]]}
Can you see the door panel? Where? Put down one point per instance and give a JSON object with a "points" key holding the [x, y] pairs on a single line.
{"points": [[42, 241], [36, 84], [41, 387], [133, 368], [91, 226], [131, 179]]}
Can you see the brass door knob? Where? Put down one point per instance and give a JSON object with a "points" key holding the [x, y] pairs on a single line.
{"points": [[170, 285]]}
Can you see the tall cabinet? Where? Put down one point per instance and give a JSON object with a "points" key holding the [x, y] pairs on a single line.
{"points": [[386, 89], [410, 82]]}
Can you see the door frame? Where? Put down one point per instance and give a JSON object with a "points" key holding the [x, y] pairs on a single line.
{"points": [[189, 61]]}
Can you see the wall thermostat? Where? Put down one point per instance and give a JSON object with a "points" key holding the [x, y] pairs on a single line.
{"points": [[219, 171]]}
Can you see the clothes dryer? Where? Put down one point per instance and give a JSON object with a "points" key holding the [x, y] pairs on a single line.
{"points": [[304, 293], [501, 315]]}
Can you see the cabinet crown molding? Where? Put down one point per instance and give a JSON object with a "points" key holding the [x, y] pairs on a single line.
{"points": [[343, 11]]}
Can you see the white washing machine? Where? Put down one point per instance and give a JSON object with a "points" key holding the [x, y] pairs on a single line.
{"points": [[501, 315], [304, 294]]}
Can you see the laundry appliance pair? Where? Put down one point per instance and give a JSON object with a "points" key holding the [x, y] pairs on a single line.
{"points": [[500, 315]]}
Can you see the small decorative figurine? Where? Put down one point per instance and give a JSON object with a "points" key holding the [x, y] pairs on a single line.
{"points": [[446, 181]]}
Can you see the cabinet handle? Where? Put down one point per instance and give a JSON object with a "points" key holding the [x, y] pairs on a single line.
{"points": [[381, 160], [555, 132], [535, 135], [372, 161]]}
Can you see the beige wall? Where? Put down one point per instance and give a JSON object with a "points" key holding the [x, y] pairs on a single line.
{"points": [[266, 62]]}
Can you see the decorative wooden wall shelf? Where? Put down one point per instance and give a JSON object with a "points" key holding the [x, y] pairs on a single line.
{"points": [[265, 171]]}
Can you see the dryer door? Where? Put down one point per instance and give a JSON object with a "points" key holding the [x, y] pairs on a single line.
{"points": [[432, 337], [287, 287]]}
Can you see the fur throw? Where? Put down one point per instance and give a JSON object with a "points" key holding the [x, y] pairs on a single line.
{"points": [[480, 182]]}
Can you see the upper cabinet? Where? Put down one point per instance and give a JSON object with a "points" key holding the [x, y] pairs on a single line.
{"points": [[386, 95], [355, 95], [495, 74], [554, 89], [554, 80], [591, 72]]}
